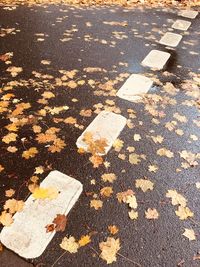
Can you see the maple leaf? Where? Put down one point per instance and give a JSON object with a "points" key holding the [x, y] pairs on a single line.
{"points": [[113, 229], [152, 168], [144, 184], [157, 139], [177, 199], [14, 205], [118, 144], [57, 146], [10, 137], [84, 240], [184, 212], [12, 149], [6, 218], [134, 158], [69, 244], [165, 152], [70, 120], [9, 193], [96, 204], [109, 249], [133, 215], [108, 177], [30, 153], [136, 137], [151, 214], [96, 160], [106, 191], [190, 234], [60, 221], [43, 193]]}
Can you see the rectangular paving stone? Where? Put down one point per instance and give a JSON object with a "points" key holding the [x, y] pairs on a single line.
{"points": [[191, 14], [106, 125], [171, 39], [182, 25], [134, 86], [27, 235], [156, 59]]}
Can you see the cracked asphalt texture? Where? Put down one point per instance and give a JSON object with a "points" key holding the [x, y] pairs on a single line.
{"points": [[156, 243]]}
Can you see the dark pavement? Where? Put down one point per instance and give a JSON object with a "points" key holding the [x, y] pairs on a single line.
{"points": [[115, 40]]}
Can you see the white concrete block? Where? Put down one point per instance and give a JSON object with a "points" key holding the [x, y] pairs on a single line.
{"points": [[182, 25], [134, 86], [156, 59], [191, 14], [27, 235], [106, 125], [171, 39]]}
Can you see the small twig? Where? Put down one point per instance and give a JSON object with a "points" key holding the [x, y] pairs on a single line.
{"points": [[59, 258], [137, 264], [94, 250]]}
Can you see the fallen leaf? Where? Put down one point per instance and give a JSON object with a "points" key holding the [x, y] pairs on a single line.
{"points": [[113, 229], [60, 222], [190, 234], [184, 212], [108, 177], [6, 218], [133, 215], [69, 244], [13, 205], [109, 249], [43, 193], [30, 153], [96, 204], [85, 239], [144, 184], [176, 198], [151, 214]]}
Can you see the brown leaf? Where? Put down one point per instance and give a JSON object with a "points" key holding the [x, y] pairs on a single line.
{"points": [[60, 221]]}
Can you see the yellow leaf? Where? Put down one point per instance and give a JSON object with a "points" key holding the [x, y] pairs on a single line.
{"points": [[136, 137], [113, 229], [133, 215], [190, 234], [6, 218], [118, 144], [11, 137], [144, 184], [30, 153], [106, 191], [14, 205], [184, 212], [134, 158], [151, 214], [9, 193], [96, 204], [109, 177], [69, 244], [43, 193], [109, 249], [85, 239], [165, 152], [177, 199]]}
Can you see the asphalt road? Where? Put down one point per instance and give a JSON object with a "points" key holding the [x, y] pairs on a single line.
{"points": [[73, 38]]}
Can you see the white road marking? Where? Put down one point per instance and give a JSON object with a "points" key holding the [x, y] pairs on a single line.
{"points": [[182, 25], [134, 86], [106, 125], [191, 14], [156, 59], [171, 39], [27, 235]]}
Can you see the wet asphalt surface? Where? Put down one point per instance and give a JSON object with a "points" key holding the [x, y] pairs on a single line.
{"points": [[117, 49]]}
